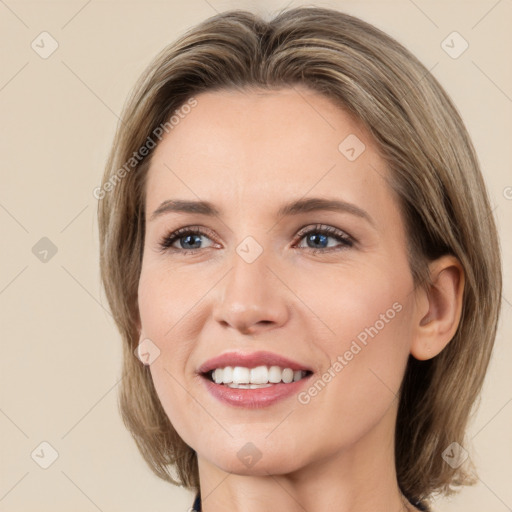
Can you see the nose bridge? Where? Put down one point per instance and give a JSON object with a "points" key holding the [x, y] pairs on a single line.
{"points": [[251, 297]]}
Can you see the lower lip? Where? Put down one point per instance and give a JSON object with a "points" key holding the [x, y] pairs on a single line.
{"points": [[254, 398]]}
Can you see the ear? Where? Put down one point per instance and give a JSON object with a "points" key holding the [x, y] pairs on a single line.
{"points": [[439, 308]]}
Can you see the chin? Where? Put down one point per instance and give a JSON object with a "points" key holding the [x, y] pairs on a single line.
{"points": [[249, 460]]}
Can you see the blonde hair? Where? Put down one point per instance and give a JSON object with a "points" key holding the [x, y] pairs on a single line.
{"points": [[435, 173]]}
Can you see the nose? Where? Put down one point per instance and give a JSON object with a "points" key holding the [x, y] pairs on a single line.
{"points": [[251, 298]]}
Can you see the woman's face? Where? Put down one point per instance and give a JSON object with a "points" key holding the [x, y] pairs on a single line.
{"points": [[338, 305]]}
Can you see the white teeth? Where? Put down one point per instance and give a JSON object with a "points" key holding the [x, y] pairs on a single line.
{"points": [[287, 375], [217, 375], [241, 375], [274, 374], [227, 375], [259, 375], [253, 378]]}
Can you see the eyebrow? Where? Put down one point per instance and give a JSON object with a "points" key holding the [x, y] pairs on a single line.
{"points": [[297, 207]]}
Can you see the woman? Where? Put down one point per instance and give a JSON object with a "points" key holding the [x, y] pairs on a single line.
{"points": [[297, 245]]}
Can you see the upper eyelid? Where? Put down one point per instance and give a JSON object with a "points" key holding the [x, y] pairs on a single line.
{"points": [[324, 227], [301, 232]]}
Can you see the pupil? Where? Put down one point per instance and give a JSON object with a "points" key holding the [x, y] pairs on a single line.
{"points": [[187, 240], [314, 238]]}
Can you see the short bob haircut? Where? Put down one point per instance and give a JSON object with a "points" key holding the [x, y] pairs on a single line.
{"points": [[435, 174]]}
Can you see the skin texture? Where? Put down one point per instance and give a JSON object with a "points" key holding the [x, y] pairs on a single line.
{"points": [[248, 153]]}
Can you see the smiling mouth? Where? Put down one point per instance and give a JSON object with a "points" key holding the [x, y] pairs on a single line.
{"points": [[240, 377]]}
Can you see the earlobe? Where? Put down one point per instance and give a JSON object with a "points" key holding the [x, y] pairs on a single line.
{"points": [[435, 328]]}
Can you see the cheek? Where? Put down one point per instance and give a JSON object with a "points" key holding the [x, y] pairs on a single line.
{"points": [[167, 301], [171, 390], [359, 301], [368, 313], [360, 386], [167, 310]]}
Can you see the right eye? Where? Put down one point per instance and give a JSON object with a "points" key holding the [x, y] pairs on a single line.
{"points": [[190, 235]]}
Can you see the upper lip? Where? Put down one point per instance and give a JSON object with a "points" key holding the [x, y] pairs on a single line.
{"points": [[250, 360]]}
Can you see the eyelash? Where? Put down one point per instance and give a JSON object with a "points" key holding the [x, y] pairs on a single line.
{"points": [[347, 241]]}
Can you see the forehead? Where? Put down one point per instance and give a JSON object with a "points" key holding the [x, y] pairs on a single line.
{"points": [[255, 146]]}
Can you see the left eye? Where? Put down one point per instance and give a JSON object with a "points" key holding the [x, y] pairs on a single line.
{"points": [[318, 236]]}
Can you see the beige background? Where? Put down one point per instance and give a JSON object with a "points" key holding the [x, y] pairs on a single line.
{"points": [[60, 361]]}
